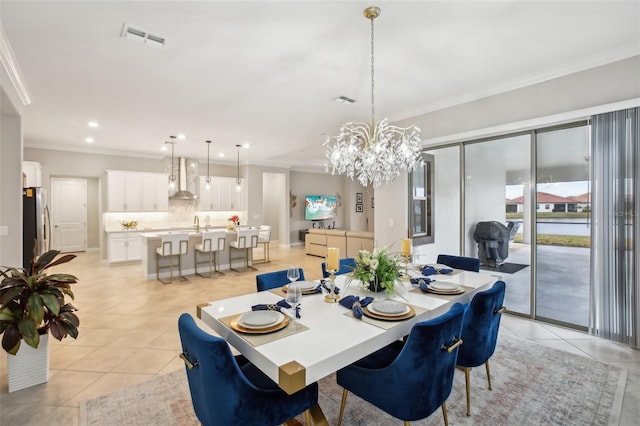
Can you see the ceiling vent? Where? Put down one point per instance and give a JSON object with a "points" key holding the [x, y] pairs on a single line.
{"points": [[143, 36], [343, 100]]}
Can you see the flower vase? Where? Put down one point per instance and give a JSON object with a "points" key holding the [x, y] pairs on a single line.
{"points": [[375, 286]]}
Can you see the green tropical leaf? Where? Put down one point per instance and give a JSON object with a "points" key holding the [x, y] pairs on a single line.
{"points": [[9, 294], [11, 339], [27, 327], [57, 330], [32, 341], [64, 259], [36, 310], [6, 314], [62, 278], [44, 260], [51, 302]]}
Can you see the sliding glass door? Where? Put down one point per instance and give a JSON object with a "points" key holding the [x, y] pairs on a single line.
{"points": [[496, 213], [563, 225]]}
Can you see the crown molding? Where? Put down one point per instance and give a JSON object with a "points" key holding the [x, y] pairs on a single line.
{"points": [[10, 65]]}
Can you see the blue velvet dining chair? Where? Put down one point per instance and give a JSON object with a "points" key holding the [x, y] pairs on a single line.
{"points": [[276, 279], [409, 380], [347, 265], [228, 390], [480, 332], [460, 262]]}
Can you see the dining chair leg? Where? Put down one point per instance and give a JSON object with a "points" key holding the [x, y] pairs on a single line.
{"points": [[307, 417], [467, 383], [342, 403], [216, 263], [406, 423], [486, 365], [444, 414]]}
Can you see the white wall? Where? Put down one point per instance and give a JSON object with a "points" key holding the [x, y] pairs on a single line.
{"points": [[446, 167], [391, 220], [11, 189], [274, 208]]}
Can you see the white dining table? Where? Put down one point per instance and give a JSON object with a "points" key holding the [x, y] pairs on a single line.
{"points": [[333, 339]]}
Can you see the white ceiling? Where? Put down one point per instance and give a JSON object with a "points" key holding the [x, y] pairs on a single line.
{"points": [[265, 73]]}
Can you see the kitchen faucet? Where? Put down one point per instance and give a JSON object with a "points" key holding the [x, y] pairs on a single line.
{"points": [[196, 223], [206, 223]]}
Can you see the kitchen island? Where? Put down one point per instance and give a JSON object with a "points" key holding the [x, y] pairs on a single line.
{"points": [[153, 239]]}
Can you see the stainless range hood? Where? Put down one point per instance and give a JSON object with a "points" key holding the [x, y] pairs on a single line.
{"points": [[182, 193]]}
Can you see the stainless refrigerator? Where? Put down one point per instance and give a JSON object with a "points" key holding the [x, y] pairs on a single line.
{"points": [[35, 224]]}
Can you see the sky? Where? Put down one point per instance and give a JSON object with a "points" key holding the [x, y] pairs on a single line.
{"points": [[563, 189]]}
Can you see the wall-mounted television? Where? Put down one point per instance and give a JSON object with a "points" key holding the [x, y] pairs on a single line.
{"points": [[320, 207]]}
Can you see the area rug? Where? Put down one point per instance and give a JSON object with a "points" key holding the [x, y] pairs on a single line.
{"points": [[532, 385], [506, 267]]}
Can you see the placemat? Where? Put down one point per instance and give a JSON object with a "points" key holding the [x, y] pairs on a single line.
{"points": [[441, 296], [261, 339], [278, 291], [381, 323]]}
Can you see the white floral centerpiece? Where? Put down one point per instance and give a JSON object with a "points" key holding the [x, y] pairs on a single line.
{"points": [[378, 270]]}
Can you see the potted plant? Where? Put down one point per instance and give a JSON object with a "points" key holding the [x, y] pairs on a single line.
{"points": [[377, 271], [32, 304]]}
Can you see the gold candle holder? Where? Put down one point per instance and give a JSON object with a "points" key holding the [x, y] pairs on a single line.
{"points": [[332, 297]]}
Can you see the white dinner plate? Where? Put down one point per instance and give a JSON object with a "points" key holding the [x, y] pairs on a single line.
{"points": [[306, 285], [260, 319], [388, 307], [444, 286]]}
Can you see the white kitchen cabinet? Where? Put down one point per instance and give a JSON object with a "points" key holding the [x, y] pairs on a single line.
{"points": [[221, 195], [33, 173], [155, 192], [124, 246], [136, 191]]}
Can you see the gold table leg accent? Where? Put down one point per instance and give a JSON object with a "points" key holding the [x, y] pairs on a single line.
{"points": [[467, 383], [444, 414], [317, 416], [292, 377], [199, 307], [342, 404]]}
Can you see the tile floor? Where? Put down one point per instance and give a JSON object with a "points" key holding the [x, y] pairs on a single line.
{"points": [[128, 334]]}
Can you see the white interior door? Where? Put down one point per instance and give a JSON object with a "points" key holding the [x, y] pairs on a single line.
{"points": [[69, 214]]}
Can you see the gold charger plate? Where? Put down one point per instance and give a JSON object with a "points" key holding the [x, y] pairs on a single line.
{"points": [[304, 292], [373, 315], [279, 326], [446, 292]]}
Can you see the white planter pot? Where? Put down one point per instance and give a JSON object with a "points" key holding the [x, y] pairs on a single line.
{"points": [[29, 367]]}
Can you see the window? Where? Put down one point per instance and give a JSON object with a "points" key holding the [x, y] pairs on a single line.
{"points": [[421, 211]]}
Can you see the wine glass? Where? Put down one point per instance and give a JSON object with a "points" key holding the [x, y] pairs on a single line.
{"points": [[294, 297], [293, 274]]}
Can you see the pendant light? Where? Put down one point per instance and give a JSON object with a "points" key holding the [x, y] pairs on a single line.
{"points": [[172, 178], [374, 152], [208, 178], [238, 181]]}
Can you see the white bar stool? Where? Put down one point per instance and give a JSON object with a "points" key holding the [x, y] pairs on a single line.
{"points": [[212, 242], [247, 239], [173, 244], [264, 238]]}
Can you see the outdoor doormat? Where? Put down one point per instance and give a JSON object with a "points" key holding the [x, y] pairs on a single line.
{"points": [[506, 268]]}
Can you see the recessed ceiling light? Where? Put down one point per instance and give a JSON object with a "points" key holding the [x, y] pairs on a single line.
{"points": [[163, 148], [221, 154], [181, 136], [88, 140], [93, 124], [246, 145]]}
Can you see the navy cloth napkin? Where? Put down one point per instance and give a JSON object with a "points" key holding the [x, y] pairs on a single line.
{"points": [[355, 304], [418, 281], [430, 270], [282, 304], [323, 283]]}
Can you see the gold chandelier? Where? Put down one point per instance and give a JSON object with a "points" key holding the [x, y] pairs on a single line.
{"points": [[375, 153]]}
